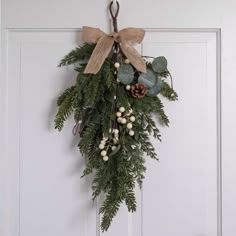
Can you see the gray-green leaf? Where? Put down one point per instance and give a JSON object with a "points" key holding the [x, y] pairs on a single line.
{"points": [[148, 79], [126, 74], [155, 89], [159, 64]]}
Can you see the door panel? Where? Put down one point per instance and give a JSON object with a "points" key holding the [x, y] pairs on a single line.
{"points": [[47, 195], [180, 193]]}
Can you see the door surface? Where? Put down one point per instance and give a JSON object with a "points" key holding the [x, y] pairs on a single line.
{"points": [[190, 192]]}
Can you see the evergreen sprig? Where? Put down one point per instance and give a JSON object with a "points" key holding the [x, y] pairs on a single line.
{"points": [[94, 101], [79, 54], [65, 104]]}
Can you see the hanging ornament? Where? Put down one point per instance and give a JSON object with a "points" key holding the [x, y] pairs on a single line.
{"points": [[112, 100]]}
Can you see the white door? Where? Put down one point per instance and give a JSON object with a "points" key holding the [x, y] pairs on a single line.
{"points": [[190, 192]]}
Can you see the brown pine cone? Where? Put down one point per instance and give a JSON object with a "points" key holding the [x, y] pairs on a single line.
{"points": [[138, 90]]}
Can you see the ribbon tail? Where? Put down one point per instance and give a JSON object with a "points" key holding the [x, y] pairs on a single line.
{"points": [[134, 57], [100, 53]]}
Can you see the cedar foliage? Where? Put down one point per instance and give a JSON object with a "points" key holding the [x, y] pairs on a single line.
{"points": [[92, 101]]}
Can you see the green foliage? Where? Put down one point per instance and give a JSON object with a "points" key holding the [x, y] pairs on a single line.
{"points": [[67, 93], [94, 100], [79, 54], [169, 92], [65, 103]]}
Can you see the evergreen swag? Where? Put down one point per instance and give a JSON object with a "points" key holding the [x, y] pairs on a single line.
{"points": [[98, 102], [114, 112]]}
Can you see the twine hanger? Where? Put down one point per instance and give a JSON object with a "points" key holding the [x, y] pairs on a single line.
{"points": [[114, 16], [115, 26]]}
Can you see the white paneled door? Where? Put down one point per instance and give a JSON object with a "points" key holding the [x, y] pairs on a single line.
{"points": [[190, 192]]}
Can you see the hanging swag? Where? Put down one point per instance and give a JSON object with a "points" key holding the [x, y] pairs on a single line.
{"points": [[114, 100]]}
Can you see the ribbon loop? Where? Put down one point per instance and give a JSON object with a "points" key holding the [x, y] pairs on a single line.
{"points": [[125, 37]]}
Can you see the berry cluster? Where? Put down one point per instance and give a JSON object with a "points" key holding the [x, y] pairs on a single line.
{"points": [[126, 118]]}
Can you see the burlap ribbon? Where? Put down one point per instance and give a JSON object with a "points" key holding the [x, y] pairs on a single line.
{"points": [[126, 39]]}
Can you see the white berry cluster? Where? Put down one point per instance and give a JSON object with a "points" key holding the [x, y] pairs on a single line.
{"points": [[115, 133], [102, 146], [126, 119]]}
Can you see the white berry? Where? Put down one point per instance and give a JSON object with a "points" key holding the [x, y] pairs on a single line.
{"points": [[115, 131], [101, 146], [110, 130], [131, 133], [105, 138], [113, 148], [130, 111], [103, 153], [129, 126], [105, 158], [119, 119], [117, 65], [114, 97], [103, 142], [132, 118], [79, 122], [123, 121], [118, 114], [121, 109], [128, 87], [127, 61]]}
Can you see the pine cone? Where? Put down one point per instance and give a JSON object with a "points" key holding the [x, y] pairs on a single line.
{"points": [[138, 90]]}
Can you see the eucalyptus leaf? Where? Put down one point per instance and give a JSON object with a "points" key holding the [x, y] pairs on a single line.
{"points": [[155, 89], [126, 74], [159, 64], [148, 79]]}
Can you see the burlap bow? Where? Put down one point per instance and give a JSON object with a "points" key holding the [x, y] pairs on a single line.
{"points": [[126, 39]]}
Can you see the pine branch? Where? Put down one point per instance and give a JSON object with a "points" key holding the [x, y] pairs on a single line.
{"points": [[168, 92], [159, 110], [65, 109], [91, 90], [130, 201], [67, 93], [89, 135], [109, 209], [150, 125], [79, 54]]}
